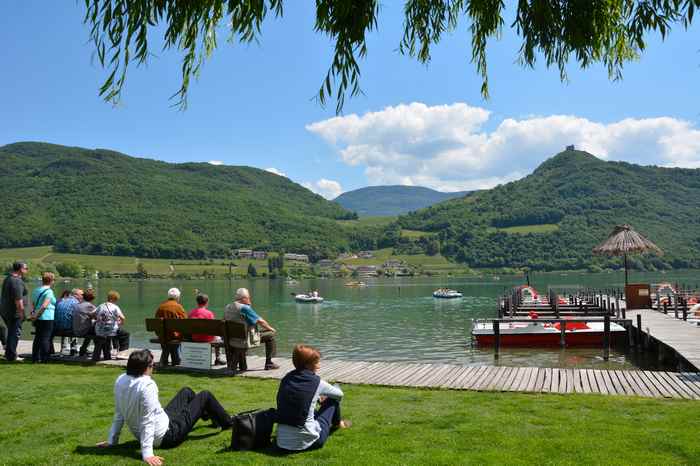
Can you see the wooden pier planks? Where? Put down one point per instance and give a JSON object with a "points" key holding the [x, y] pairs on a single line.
{"points": [[675, 333], [651, 384]]}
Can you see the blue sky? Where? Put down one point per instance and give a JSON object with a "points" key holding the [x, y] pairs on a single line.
{"points": [[415, 124]]}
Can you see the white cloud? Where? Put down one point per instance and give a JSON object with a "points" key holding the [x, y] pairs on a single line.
{"points": [[276, 171], [445, 146], [327, 188], [216, 162]]}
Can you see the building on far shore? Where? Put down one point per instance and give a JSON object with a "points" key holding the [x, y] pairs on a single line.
{"points": [[325, 263], [296, 257], [260, 255], [365, 254], [244, 253], [366, 271]]}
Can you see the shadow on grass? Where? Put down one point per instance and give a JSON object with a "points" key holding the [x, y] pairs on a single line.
{"points": [[130, 449], [271, 450]]}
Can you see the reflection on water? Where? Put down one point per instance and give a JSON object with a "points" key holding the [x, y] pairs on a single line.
{"points": [[389, 320]]}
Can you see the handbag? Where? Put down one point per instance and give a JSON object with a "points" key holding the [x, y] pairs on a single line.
{"points": [[252, 430]]}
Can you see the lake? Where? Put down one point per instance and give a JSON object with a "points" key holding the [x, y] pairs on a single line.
{"points": [[389, 320]]}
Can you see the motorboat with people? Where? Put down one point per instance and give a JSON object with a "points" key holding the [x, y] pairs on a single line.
{"points": [[310, 297], [542, 334], [446, 293]]}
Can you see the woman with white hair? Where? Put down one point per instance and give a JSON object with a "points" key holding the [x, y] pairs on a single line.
{"points": [[242, 308], [171, 309]]}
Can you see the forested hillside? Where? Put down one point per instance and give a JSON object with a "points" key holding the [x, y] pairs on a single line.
{"points": [[104, 202], [554, 217], [392, 200]]}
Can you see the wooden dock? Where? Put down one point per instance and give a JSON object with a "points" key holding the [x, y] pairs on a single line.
{"points": [[651, 384], [681, 336]]}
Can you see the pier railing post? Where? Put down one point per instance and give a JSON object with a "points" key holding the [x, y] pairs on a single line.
{"points": [[675, 305], [496, 338], [606, 337], [665, 307], [684, 306], [639, 329], [562, 333]]}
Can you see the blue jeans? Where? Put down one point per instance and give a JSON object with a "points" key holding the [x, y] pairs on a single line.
{"points": [[14, 331], [328, 417]]}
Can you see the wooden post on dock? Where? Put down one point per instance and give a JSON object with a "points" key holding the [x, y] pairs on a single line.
{"points": [[665, 307], [639, 330], [606, 337], [675, 306], [496, 338], [562, 334], [684, 306]]}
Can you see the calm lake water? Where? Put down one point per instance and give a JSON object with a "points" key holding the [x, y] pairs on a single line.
{"points": [[389, 320]]}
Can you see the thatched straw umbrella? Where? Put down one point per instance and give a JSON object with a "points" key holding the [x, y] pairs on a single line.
{"points": [[624, 240]]}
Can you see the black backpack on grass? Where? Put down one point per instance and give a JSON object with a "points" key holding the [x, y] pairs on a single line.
{"points": [[252, 429]]}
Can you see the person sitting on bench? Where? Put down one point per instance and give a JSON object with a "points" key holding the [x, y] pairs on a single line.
{"points": [[242, 308], [171, 309], [201, 312], [137, 405]]}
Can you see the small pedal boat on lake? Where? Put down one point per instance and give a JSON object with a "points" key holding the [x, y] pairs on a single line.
{"points": [[445, 293], [539, 334], [308, 298]]}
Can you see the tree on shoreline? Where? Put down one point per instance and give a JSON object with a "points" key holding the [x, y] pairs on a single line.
{"points": [[611, 33]]}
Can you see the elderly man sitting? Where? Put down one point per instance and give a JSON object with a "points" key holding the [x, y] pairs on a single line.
{"points": [[242, 308], [171, 309]]}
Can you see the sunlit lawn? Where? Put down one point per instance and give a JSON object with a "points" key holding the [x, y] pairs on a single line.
{"points": [[55, 414]]}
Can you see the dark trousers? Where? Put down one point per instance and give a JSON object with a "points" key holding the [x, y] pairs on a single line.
{"points": [[328, 417], [43, 340], [3, 332], [172, 352], [14, 331], [87, 338], [270, 345], [185, 409], [103, 346], [121, 341]]}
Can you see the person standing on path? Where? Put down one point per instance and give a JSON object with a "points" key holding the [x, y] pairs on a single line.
{"points": [[12, 307], [109, 320], [44, 302], [171, 309]]}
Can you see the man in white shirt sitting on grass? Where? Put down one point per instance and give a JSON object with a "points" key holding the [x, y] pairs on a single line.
{"points": [[136, 403]]}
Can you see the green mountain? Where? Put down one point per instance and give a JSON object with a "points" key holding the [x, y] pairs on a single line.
{"points": [[392, 200], [104, 202], [552, 218]]}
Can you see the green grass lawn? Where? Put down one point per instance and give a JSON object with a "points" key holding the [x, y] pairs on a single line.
{"points": [[415, 234], [55, 414], [521, 230], [123, 264], [368, 221]]}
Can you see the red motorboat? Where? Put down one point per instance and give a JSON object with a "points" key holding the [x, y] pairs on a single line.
{"points": [[539, 334]]}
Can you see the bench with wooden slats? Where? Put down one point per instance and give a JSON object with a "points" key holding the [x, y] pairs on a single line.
{"points": [[226, 329]]}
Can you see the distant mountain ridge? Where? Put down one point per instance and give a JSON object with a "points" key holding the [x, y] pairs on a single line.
{"points": [[392, 200], [552, 218], [103, 202]]}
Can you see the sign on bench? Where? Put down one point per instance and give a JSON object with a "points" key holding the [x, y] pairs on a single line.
{"points": [[195, 355]]}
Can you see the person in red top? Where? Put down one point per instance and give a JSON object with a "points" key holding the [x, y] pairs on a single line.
{"points": [[201, 312]]}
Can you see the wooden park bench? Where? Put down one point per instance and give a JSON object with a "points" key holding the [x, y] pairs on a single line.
{"points": [[229, 331]]}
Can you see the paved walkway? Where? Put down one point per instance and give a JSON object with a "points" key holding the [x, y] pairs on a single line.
{"points": [[653, 384], [683, 337]]}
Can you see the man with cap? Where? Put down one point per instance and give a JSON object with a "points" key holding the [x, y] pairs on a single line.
{"points": [[242, 308], [171, 309], [12, 305]]}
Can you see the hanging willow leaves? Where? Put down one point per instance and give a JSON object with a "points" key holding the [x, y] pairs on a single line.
{"points": [[610, 32]]}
